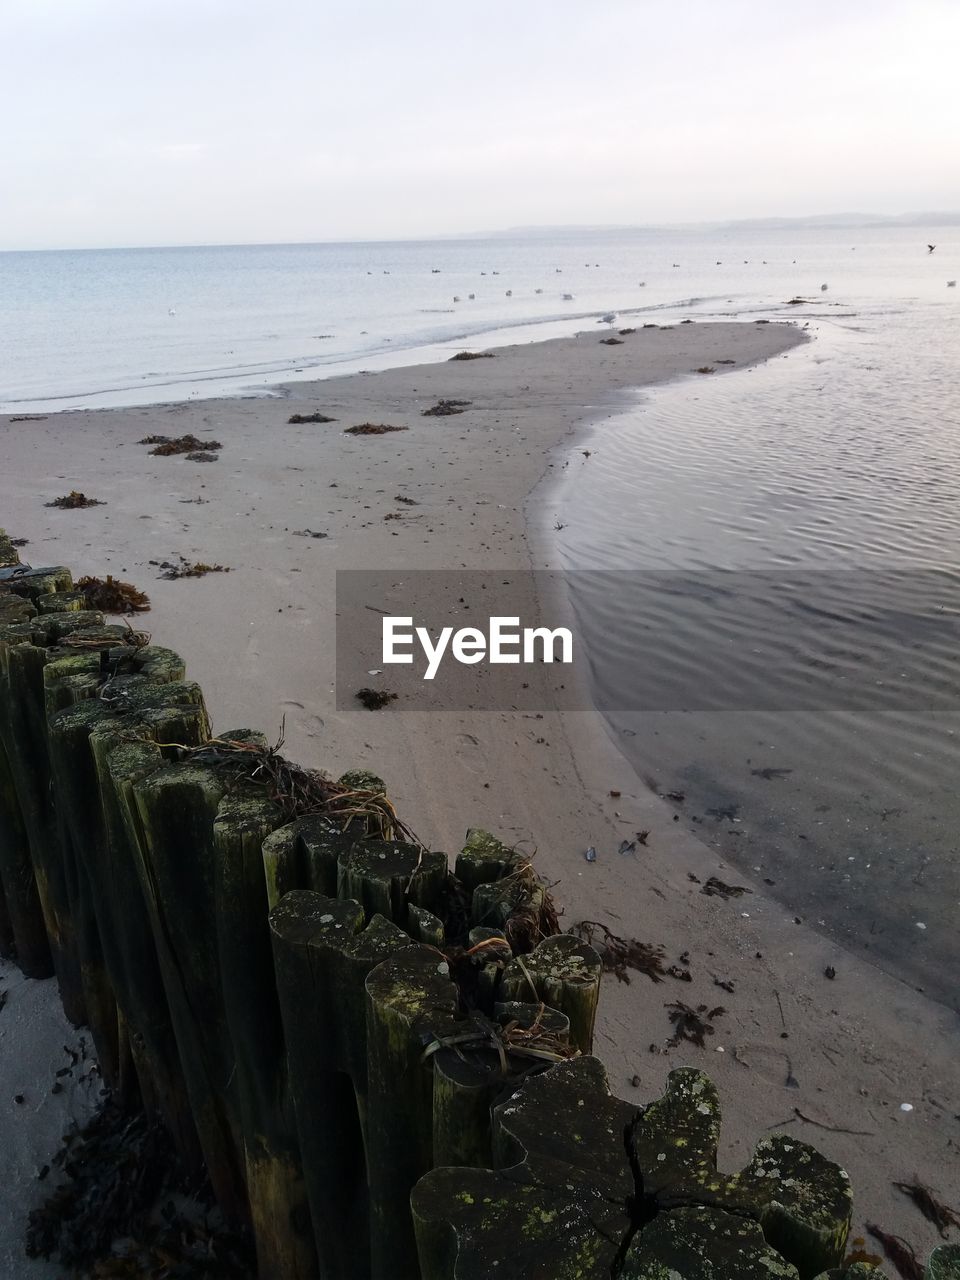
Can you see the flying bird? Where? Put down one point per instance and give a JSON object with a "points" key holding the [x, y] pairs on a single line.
{"points": [[930, 248]]}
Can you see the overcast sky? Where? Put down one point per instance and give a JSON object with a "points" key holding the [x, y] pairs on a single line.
{"points": [[132, 122]]}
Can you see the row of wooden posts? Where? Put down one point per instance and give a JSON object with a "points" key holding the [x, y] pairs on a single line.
{"points": [[383, 1066]]}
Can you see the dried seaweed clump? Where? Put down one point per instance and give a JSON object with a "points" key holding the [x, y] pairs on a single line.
{"points": [[691, 1024], [533, 912], [202, 456], [706, 368], [103, 1218], [941, 1215], [446, 408], [611, 342], [620, 954], [299, 792], [69, 501], [375, 699], [187, 570], [309, 417], [372, 429], [165, 446], [113, 596], [474, 355]]}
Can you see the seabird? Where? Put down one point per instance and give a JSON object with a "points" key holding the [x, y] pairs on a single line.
{"points": [[951, 284], [823, 288], [608, 318], [930, 248]]}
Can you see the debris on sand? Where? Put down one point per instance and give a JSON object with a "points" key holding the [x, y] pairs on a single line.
{"points": [[29, 417], [112, 595], [446, 408], [74, 499], [691, 1024], [768, 774], [372, 429], [899, 1252], [308, 533], [706, 368], [407, 502], [103, 1219], [187, 570], [794, 302], [623, 332], [202, 456], [612, 342], [166, 446], [620, 954], [375, 699], [715, 888], [474, 355], [309, 417], [941, 1215]]}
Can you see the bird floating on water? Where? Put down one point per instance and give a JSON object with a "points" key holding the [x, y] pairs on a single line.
{"points": [[509, 293], [568, 297], [951, 284], [823, 288]]}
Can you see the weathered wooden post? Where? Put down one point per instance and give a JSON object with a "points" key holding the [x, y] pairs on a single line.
{"points": [[323, 955], [410, 1003], [274, 1174], [24, 651], [170, 816], [565, 974], [587, 1185], [82, 737]]}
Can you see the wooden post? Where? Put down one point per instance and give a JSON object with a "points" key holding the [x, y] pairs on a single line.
{"points": [[384, 875], [483, 859], [275, 1183], [81, 739], [304, 854], [410, 1003], [19, 882], [323, 955], [171, 815], [565, 974], [24, 651]]}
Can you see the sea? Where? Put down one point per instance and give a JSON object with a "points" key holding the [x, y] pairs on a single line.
{"points": [[843, 458]]}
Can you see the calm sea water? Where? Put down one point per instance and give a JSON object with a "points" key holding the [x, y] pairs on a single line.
{"points": [[844, 455]]}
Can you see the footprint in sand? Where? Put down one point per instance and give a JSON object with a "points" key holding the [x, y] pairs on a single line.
{"points": [[469, 752], [768, 1063]]}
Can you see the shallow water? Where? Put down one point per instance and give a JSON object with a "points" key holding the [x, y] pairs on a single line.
{"points": [[843, 455]]}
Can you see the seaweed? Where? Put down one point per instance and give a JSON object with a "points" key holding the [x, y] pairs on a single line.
{"points": [[202, 455], [372, 429], [706, 368], [375, 699], [611, 342], [620, 954], [898, 1251], [309, 417], [474, 355], [70, 501], [691, 1024], [169, 445], [941, 1215], [113, 596], [187, 570], [446, 408], [407, 502], [715, 888]]}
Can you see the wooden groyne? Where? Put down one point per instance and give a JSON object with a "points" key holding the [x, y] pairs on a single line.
{"points": [[383, 1064]]}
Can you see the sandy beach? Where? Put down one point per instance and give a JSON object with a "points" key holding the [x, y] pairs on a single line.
{"points": [[862, 1066]]}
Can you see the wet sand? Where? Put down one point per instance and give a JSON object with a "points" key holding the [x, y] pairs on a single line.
{"points": [[260, 639]]}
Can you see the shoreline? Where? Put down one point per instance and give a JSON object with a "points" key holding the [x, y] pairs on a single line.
{"points": [[858, 1047]]}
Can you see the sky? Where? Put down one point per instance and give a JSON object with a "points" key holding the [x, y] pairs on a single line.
{"points": [[241, 121]]}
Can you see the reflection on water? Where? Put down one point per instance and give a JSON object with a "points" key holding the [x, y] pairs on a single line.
{"points": [[843, 455]]}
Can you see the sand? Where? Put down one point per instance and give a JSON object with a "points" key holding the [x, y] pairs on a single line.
{"points": [[260, 639]]}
